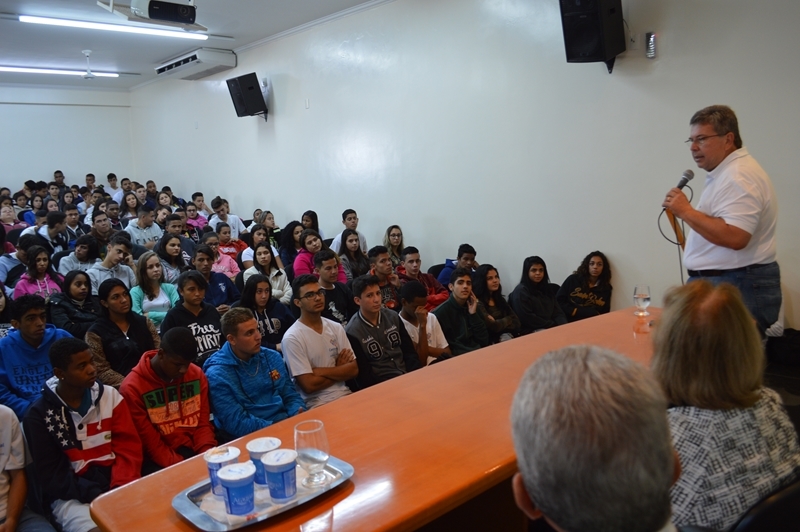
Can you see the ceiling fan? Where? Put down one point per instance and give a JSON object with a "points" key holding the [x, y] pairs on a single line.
{"points": [[88, 74]]}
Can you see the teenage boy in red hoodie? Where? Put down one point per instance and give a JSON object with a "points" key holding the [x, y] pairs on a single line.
{"points": [[168, 398], [82, 440]]}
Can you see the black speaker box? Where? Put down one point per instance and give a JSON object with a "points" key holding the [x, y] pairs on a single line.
{"points": [[246, 95], [593, 30]]}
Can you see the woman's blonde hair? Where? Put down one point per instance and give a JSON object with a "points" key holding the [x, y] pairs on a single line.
{"points": [[706, 348]]}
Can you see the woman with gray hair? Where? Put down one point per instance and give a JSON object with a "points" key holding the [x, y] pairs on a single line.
{"points": [[736, 442]]}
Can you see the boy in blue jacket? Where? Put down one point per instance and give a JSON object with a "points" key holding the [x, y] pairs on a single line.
{"points": [[248, 384], [24, 362]]}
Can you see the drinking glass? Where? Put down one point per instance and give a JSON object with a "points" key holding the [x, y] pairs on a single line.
{"points": [[641, 298], [311, 445]]}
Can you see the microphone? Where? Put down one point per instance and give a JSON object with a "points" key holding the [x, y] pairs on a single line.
{"points": [[687, 176]]}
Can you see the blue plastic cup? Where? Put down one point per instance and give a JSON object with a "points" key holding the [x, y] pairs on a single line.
{"points": [[238, 487], [281, 476], [216, 459], [258, 448]]}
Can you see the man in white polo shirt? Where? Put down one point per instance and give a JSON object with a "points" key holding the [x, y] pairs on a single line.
{"points": [[733, 227]]}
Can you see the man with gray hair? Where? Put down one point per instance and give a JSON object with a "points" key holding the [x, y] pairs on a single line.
{"points": [[593, 445]]}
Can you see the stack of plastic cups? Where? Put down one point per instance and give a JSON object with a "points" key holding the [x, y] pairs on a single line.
{"points": [[238, 488], [216, 459], [281, 476], [258, 448]]}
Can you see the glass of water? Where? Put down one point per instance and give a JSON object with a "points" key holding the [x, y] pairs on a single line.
{"points": [[311, 445], [641, 298]]}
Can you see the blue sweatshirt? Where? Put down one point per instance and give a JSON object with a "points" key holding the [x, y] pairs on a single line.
{"points": [[221, 290], [24, 369], [248, 396]]}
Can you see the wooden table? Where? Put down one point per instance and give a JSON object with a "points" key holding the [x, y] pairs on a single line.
{"points": [[421, 444]]}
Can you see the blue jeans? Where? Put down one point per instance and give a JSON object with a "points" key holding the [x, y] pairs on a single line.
{"points": [[32, 522], [760, 286]]}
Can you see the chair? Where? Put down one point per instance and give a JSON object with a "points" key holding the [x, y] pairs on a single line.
{"points": [[56, 259], [247, 238], [238, 282], [436, 269], [239, 262], [13, 236], [327, 242], [777, 512]]}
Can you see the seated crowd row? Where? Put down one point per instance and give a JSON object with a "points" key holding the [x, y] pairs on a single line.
{"points": [[123, 344]]}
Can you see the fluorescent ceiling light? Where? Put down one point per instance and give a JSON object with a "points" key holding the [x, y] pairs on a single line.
{"points": [[112, 27], [26, 70]]}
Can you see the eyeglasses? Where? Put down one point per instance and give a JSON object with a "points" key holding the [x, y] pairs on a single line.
{"points": [[701, 139], [313, 295], [395, 235]]}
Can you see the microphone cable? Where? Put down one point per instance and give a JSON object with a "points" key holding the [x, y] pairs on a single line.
{"points": [[683, 229]]}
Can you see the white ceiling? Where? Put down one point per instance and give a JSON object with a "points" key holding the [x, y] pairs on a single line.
{"points": [[33, 45]]}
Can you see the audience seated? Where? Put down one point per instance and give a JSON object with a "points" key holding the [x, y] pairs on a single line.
{"points": [[534, 298], [116, 265], [194, 222], [24, 366], [587, 292], [339, 303], [201, 318], [311, 243], [464, 259], [41, 278], [381, 267], [119, 337], [86, 255], [111, 208], [290, 246], [52, 235], [248, 383], [350, 222], [153, 296], [592, 443], [393, 241], [143, 230], [265, 264], [94, 449], [420, 323], [273, 317], [222, 214], [220, 292], [318, 354], [410, 269], [203, 211], [14, 515], [463, 327], [175, 225], [167, 396], [101, 231], [75, 228], [171, 257], [13, 265], [74, 310], [310, 220], [735, 441], [9, 220], [227, 245], [354, 259], [223, 263], [378, 337], [129, 207], [500, 319], [126, 185], [258, 233]]}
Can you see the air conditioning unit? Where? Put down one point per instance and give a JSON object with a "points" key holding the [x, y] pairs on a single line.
{"points": [[180, 11], [201, 63]]}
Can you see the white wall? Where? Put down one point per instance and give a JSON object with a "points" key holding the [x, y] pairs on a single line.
{"points": [[75, 131], [461, 121]]}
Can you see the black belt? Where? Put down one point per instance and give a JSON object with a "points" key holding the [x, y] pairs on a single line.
{"points": [[719, 273]]}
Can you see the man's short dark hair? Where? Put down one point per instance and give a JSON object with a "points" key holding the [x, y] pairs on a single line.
{"points": [[54, 218], [722, 119], [231, 320], [362, 282], [150, 181], [323, 255], [24, 304], [217, 202], [300, 282], [111, 175], [119, 240], [179, 341], [40, 185], [31, 185], [97, 212], [42, 213], [205, 250], [465, 248], [408, 250], [144, 208], [412, 290], [194, 276], [166, 188], [20, 194], [458, 273], [90, 175], [172, 218], [52, 184], [196, 195], [347, 213], [62, 351], [27, 241], [125, 179], [70, 207], [374, 252]]}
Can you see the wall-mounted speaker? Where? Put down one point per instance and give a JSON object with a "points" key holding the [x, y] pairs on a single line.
{"points": [[247, 96], [593, 30]]}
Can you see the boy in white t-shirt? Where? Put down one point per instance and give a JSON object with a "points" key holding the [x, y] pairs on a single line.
{"points": [[316, 349], [418, 322]]}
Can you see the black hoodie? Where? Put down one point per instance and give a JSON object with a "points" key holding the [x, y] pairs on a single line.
{"points": [[205, 327]]}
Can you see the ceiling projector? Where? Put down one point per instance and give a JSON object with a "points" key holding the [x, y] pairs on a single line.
{"points": [[170, 11]]}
